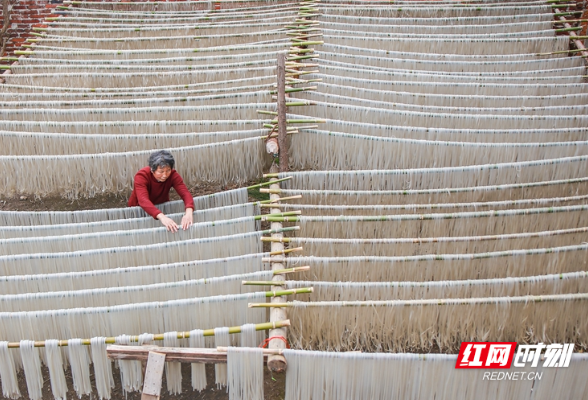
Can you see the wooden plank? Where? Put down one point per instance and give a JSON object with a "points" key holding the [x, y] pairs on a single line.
{"points": [[153, 375], [173, 354]]}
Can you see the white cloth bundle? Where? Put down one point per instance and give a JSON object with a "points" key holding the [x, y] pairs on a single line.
{"points": [[198, 369], [79, 362], [245, 373], [55, 365]]}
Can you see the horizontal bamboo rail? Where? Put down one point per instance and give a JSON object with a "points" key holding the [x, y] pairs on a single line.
{"points": [[181, 335]]}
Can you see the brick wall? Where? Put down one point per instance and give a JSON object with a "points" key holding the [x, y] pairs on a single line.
{"points": [[26, 14]]}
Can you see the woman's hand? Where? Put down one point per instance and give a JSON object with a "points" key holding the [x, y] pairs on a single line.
{"points": [[187, 219], [169, 223]]}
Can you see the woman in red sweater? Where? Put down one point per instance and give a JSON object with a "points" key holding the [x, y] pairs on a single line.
{"points": [[152, 185]]}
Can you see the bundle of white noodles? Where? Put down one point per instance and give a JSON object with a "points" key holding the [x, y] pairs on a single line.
{"points": [[499, 264], [206, 270], [87, 175], [573, 282], [421, 325], [354, 375], [103, 258], [33, 218], [199, 216], [204, 312], [373, 152]]}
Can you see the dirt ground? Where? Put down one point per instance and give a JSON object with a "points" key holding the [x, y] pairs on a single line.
{"points": [[274, 384]]}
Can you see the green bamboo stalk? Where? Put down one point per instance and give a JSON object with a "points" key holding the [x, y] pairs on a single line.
{"points": [[296, 58], [291, 270], [37, 34], [579, 38], [267, 112], [297, 50], [301, 121], [281, 230], [301, 103], [294, 90], [268, 183], [578, 28], [275, 240], [271, 202], [284, 252], [208, 332], [278, 293], [5, 66], [23, 53], [285, 214], [263, 283], [556, 52], [310, 43], [569, 21]]}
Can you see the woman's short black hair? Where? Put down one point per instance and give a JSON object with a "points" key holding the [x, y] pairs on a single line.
{"points": [[161, 158]]}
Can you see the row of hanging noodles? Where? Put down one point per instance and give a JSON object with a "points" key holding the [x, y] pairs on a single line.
{"points": [[350, 98], [540, 70], [185, 60], [203, 13], [468, 46], [384, 32], [79, 357], [161, 42], [425, 77], [33, 143], [379, 73], [444, 178], [434, 12], [30, 218], [574, 282], [450, 65], [382, 376], [245, 14], [128, 79], [547, 189], [241, 111], [233, 161], [119, 295], [69, 67], [424, 325], [199, 216], [459, 88], [473, 21], [432, 29], [411, 55], [46, 52], [229, 96], [506, 264], [390, 247], [185, 314], [184, 29], [130, 127], [493, 222], [128, 276], [84, 260], [125, 238], [448, 101], [395, 209], [388, 153]]}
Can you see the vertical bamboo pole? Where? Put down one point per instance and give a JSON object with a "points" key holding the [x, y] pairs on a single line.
{"points": [[277, 363], [282, 138]]}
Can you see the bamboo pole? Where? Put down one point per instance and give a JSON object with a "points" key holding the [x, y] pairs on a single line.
{"points": [[578, 43], [267, 183], [291, 270], [285, 251], [277, 363], [282, 139], [181, 335], [436, 302], [266, 203]]}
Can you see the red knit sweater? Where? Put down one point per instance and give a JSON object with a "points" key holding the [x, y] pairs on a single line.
{"points": [[148, 191]]}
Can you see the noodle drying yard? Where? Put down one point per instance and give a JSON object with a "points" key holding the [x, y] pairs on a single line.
{"points": [[436, 194]]}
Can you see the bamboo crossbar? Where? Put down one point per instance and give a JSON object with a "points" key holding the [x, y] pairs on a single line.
{"points": [[436, 216], [181, 335], [263, 283], [287, 251], [263, 217], [423, 240], [268, 183], [289, 292], [430, 302], [436, 257], [291, 270], [172, 354], [268, 203]]}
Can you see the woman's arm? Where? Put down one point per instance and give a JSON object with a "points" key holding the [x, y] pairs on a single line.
{"points": [[184, 193]]}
